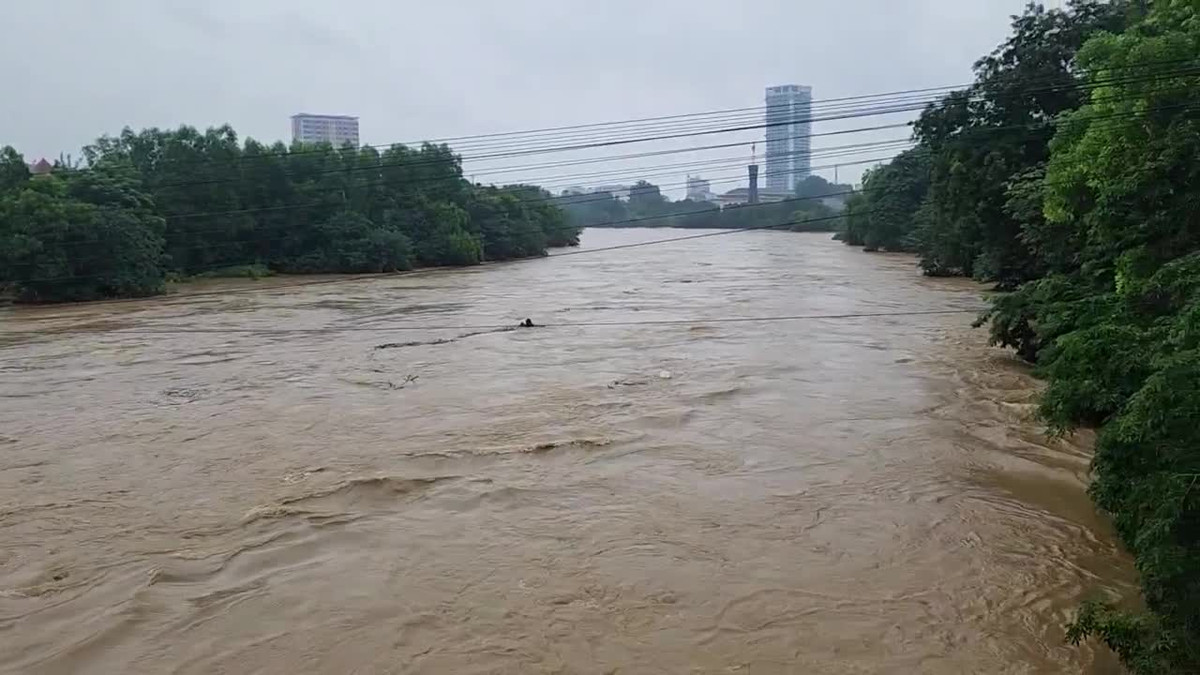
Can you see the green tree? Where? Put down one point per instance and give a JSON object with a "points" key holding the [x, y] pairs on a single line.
{"points": [[1113, 324], [814, 186], [982, 138], [893, 194], [856, 220], [646, 199], [316, 208], [57, 247], [597, 209], [13, 170]]}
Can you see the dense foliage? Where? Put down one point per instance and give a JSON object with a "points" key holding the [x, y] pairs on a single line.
{"points": [[648, 207], [881, 216], [96, 235], [154, 203], [1083, 199]]}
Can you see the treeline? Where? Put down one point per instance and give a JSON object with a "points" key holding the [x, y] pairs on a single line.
{"points": [[1069, 175], [648, 207], [154, 204]]}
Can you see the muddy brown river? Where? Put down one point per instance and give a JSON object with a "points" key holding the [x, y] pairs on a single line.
{"points": [[373, 476]]}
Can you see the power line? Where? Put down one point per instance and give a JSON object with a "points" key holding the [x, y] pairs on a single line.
{"points": [[546, 149], [206, 214], [261, 240], [606, 127], [875, 108], [931, 91], [564, 200], [238, 243], [715, 163], [908, 94], [386, 183], [436, 179], [242, 242], [558, 255], [658, 153], [383, 275], [569, 148], [601, 197], [509, 326]]}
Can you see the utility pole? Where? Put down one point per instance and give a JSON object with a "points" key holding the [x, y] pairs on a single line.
{"points": [[752, 193]]}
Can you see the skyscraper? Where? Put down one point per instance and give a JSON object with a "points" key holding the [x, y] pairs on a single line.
{"points": [[337, 130], [789, 146]]}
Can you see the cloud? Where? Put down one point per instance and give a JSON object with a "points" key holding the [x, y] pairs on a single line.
{"points": [[75, 69]]}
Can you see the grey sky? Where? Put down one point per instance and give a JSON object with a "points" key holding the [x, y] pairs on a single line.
{"points": [[74, 69]]}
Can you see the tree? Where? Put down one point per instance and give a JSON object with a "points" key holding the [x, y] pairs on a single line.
{"points": [[596, 209], [814, 186], [855, 221], [1121, 227], [316, 208], [56, 247], [13, 170], [984, 137], [646, 199], [893, 196]]}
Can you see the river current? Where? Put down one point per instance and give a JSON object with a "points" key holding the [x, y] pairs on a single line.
{"points": [[380, 475]]}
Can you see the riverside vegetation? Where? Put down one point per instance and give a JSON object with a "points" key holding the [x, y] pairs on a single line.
{"points": [[1067, 175], [154, 204], [648, 207]]}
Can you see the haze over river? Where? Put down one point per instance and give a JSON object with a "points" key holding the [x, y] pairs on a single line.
{"points": [[367, 476]]}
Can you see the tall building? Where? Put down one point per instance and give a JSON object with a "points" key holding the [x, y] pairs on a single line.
{"points": [[789, 130], [337, 130], [699, 190]]}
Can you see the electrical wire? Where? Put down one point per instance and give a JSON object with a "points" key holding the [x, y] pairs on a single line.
{"points": [[507, 326], [292, 206], [583, 199], [382, 275], [1186, 107], [525, 150], [935, 92]]}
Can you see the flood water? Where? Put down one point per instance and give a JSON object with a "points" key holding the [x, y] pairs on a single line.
{"points": [[370, 476]]}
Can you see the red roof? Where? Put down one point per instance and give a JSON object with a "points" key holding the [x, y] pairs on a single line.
{"points": [[41, 166]]}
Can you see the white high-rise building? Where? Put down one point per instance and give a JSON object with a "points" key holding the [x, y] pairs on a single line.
{"points": [[337, 130], [699, 190], [789, 131]]}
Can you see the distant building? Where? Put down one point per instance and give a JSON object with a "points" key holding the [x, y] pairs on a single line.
{"points": [[700, 190], [739, 196], [734, 197], [617, 191], [789, 131], [337, 130], [769, 196], [41, 168]]}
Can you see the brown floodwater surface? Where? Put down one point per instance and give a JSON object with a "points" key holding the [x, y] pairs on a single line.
{"points": [[366, 476]]}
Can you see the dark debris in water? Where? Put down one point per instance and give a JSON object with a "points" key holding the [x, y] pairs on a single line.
{"points": [[441, 341], [415, 343], [183, 395], [628, 382], [408, 379]]}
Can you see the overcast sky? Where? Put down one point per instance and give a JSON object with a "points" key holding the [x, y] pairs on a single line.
{"points": [[75, 69]]}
